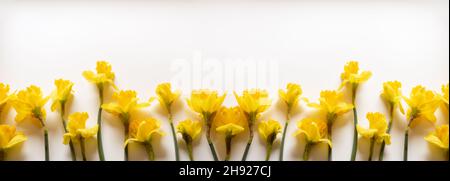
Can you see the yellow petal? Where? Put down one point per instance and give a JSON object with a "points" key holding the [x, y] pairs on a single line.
{"points": [[231, 129], [366, 133], [18, 138], [88, 133], [67, 137]]}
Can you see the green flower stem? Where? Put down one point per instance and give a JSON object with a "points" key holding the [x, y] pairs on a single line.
{"points": [[372, 143], [47, 154], [284, 136], [101, 155], [83, 150], [228, 146], [330, 151], [174, 136], [72, 148], [405, 145], [2, 155], [391, 120], [149, 150], [330, 120], [268, 151], [251, 121], [190, 151], [405, 148], [355, 122], [306, 151], [125, 150], [208, 136]]}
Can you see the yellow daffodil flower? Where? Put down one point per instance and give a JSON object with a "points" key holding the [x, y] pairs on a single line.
{"points": [[315, 131], [354, 77], [206, 103], [76, 128], [291, 96], [125, 103], [60, 97], [422, 105], [253, 102], [332, 104], [9, 137], [439, 137], [102, 76], [377, 131], [77, 131], [268, 130], [143, 133], [190, 131], [230, 122], [166, 97], [62, 94], [444, 95], [29, 104], [392, 94], [4, 96]]}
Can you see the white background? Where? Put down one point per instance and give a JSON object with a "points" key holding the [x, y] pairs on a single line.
{"points": [[309, 41]]}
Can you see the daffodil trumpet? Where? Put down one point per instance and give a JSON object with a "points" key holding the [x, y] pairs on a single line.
{"points": [[206, 103], [166, 97], [29, 104], [77, 131], [422, 104], [190, 131], [253, 102], [290, 97], [230, 122], [60, 97], [354, 77], [102, 77], [9, 138], [268, 130], [392, 95], [377, 131]]}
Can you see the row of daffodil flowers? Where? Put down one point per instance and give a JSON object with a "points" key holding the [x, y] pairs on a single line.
{"points": [[230, 121]]}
